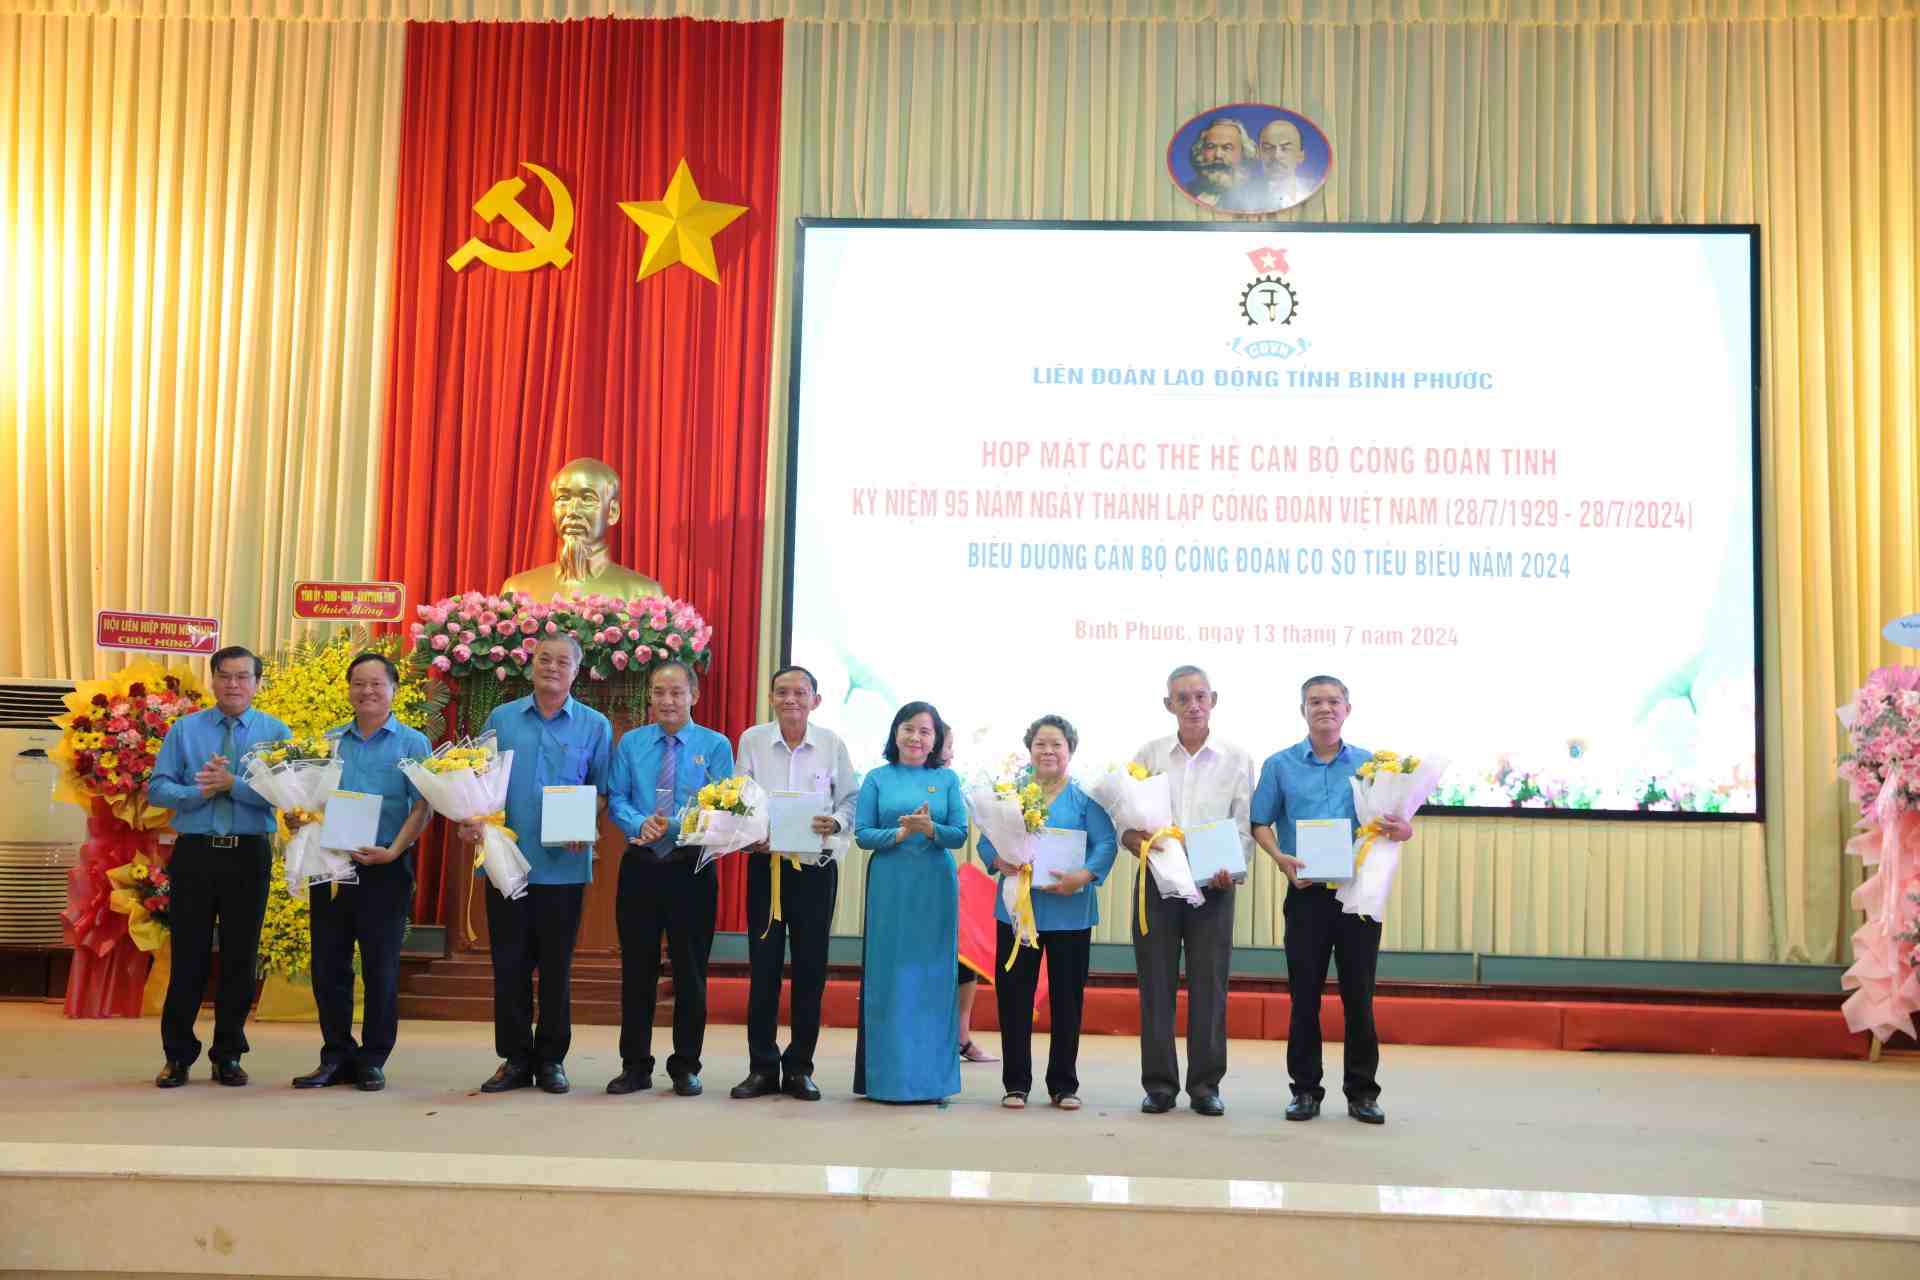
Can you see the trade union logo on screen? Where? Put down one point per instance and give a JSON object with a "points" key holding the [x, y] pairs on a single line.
{"points": [[1269, 303]]}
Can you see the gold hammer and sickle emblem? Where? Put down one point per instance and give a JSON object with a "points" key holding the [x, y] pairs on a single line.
{"points": [[545, 244]]}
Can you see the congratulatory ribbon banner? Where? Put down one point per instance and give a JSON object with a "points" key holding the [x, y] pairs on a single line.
{"points": [[349, 601], [155, 632]]}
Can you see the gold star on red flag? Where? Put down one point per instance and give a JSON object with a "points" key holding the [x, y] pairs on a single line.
{"points": [[681, 226]]}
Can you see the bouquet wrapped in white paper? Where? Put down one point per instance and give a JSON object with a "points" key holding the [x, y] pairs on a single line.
{"points": [[295, 776], [724, 817], [1389, 786], [467, 782], [1008, 811], [1140, 801]]}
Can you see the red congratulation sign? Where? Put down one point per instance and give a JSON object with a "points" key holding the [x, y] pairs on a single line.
{"points": [[155, 632], [349, 601]]}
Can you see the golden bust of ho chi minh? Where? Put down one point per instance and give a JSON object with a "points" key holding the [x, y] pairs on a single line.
{"points": [[586, 503]]}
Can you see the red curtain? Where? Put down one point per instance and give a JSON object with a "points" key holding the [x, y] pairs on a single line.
{"points": [[498, 378]]}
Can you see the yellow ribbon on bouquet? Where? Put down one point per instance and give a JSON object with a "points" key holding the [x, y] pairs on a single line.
{"points": [[774, 893], [1026, 931], [147, 933], [1146, 851], [496, 819]]}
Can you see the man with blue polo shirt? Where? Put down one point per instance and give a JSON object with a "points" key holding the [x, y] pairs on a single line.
{"points": [[222, 860], [656, 774], [556, 742], [371, 913], [1311, 780]]}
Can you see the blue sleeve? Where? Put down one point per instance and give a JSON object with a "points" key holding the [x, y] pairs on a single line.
{"points": [[172, 785], [867, 831], [946, 835], [1103, 845], [619, 787], [597, 763], [1268, 802]]}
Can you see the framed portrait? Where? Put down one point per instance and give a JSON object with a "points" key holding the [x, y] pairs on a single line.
{"points": [[1249, 158]]}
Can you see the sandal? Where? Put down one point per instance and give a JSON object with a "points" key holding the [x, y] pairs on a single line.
{"points": [[972, 1052], [1014, 1101], [1066, 1101]]}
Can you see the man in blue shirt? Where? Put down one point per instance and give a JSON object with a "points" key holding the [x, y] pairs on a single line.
{"points": [[555, 741], [372, 912], [657, 772], [221, 863], [1310, 780]]}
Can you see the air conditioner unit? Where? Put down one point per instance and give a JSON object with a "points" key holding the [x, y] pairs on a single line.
{"points": [[39, 836]]}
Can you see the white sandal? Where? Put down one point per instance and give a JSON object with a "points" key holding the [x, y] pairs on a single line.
{"points": [[1014, 1102], [1066, 1101]]}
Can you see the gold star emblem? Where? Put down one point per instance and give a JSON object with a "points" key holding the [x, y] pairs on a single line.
{"points": [[681, 226]]}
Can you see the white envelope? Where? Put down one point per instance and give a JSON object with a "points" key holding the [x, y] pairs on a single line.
{"points": [[1215, 846], [1056, 851], [1326, 846], [569, 815], [790, 816], [352, 820]]}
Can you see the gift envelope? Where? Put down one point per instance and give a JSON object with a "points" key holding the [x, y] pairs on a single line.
{"points": [[1326, 846], [1213, 847], [1056, 851]]}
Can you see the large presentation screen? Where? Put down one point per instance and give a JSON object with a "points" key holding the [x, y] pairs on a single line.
{"points": [[1500, 482]]}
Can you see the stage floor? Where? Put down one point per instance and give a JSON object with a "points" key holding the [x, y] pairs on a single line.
{"points": [[1626, 1124]]}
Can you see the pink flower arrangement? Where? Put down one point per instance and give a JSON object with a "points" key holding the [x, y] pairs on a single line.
{"points": [[1881, 767], [617, 637]]}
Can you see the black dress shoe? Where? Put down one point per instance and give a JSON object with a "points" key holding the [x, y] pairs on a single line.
{"points": [[1366, 1111], [171, 1076], [508, 1076], [630, 1081], [371, 1079], [802, 1088], [325, 1076], [1157, 1104], [231, 1074], [688, 1086], [1209, 1104], [1303, 1107], [551, 1077], [758, 1084]]}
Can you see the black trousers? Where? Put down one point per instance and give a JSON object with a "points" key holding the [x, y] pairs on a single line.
{"points": [[1069, 953], [663, 896], [537, 932], [1205, 933], [1317, 929], [806, 907], [221, 890], [371, 915]]}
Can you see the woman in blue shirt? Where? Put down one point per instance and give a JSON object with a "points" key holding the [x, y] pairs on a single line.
{"points": [[910, 816], [1065, 913]]}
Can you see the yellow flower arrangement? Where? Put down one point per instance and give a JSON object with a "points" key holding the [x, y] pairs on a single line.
{"points": [[454, 759], [306, 685], [1387, 762], [308, 748], [719, 797], [286, 936], [1138, 772], [1033, 806], [111, 736]]}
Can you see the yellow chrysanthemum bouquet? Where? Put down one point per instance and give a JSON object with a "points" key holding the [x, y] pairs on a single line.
{"points": [[1138, 799], [725, 817], [1008, 811], [296, 776], [1387, 785], [466, 781]]}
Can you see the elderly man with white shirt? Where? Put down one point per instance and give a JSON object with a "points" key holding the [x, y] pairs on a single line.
{"points": [[790, 754], [1209, 780]]}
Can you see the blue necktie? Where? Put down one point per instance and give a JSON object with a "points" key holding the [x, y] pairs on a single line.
{"points": [[223, 801], [663, 791]]}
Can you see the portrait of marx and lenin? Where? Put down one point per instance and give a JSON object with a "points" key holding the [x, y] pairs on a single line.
{"points": [[1249, 158]]}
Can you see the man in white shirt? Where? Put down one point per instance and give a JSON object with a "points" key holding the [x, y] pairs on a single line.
{"points": [[789, 754], [1210, 779]]}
